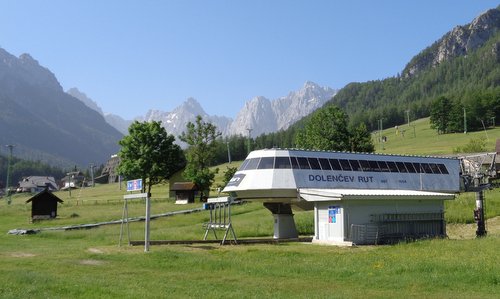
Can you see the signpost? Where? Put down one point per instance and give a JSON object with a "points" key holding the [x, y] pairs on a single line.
{"points": [[136, 185]]}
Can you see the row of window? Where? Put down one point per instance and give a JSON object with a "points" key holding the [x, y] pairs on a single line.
{"points": [[342, 164]]}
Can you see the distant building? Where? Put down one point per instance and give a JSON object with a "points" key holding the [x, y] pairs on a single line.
{"points": [[44, 205], [73, 180], [36, 184], [109, 173], [184, 192]]}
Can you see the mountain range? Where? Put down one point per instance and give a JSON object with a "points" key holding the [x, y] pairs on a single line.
{"points": [[259, 114], [45, 123], [67, 128]]}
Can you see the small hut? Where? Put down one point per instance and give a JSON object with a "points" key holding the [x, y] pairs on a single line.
{"points": [[44, 205], [184, 192]]}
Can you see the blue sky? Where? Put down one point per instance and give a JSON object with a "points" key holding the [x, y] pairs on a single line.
{"points": [[132, 56]]}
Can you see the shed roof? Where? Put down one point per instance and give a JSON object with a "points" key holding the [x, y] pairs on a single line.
{"points": [[44, 193], [309, 194], [184, 186]]}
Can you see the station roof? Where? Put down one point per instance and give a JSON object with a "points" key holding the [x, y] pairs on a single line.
{"points": [[312, 195]]}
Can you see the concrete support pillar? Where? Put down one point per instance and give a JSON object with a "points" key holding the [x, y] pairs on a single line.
{"points": [[284, 224]]}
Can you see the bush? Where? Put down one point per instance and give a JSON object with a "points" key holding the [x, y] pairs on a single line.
{"points": [[475, 145]]}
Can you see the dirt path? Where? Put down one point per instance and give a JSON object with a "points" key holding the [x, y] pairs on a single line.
{"points": [[468, 231]]}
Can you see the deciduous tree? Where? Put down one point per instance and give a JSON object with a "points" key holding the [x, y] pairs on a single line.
{"points": [[149, 153], [328, 129], [201, 139]]}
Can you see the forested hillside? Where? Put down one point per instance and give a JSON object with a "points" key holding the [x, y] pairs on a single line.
{"points": [[462, 63], [463, 66], [389, 99]]}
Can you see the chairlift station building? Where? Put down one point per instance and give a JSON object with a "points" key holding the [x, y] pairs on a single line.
{"points": [[356, 197]]}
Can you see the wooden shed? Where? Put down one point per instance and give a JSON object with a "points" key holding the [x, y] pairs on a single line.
{"points": [[44, 205], [184, 192]]}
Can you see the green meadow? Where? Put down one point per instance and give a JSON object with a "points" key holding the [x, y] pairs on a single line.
{"points": [[419, 139], [89, 263]]}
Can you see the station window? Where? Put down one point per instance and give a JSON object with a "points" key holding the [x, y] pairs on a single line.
{"points": [[435, 168], [374, 166], [365, 166], [325, 165], [314, 163], [243, 165], [266, 163], [443, 169], [335, 164], [355, 165], [303, 164], [295, 163], [383, 166], [410, 167], [252, 163], [426, 167], [282, 163], [342, 164], [392, 166], [345, 164], [401, 167]]}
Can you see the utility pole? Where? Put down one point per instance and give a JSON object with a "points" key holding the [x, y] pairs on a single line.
{"points": [[228, 153], [249, 139], [380, 128], [9, 166], [484, 128], [465, 122], [408, 116], [92, 173], [479, 211]]}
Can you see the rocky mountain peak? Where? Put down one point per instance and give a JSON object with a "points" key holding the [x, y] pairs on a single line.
{"points": [[193, 106], [26, 58], [310, 85], [458, 42], [74, 92], [27, 69], [258, 101]]}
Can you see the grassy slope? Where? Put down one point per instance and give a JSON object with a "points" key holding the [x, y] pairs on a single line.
{"points": [[425, 141], [89, 264]]}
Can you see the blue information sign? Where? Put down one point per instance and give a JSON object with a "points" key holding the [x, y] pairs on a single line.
{"points": [[333, 211], [134, 185]]}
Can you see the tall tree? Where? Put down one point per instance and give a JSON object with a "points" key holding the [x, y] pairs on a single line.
{"points": [[361, 140], [149, 153], [441, 109], [326, 130], [201, 138]]}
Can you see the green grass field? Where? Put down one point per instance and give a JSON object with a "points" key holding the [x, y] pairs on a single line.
{"points": [[90, 264], [420, 139]]}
